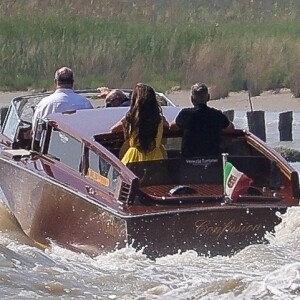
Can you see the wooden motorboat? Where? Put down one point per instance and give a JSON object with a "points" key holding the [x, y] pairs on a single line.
{"points": [[71, 188]]}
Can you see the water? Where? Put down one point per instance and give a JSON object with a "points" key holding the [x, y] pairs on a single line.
{"points": [[272, 132], [268, 271]]}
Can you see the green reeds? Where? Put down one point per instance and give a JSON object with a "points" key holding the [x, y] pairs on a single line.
{"points": [[229, 46]]}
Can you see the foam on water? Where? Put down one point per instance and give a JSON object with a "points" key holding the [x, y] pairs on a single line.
{"points": [[265, 271]]}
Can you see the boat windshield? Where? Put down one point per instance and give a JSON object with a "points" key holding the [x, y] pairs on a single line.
{"points": [[22, 108]]}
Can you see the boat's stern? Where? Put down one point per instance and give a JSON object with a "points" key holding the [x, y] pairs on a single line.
{"points": [[209, 231]]}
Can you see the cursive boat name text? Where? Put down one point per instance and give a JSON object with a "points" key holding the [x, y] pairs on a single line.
{"points": [[211, 228]]}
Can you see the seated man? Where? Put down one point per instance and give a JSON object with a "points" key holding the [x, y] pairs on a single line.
{"points": [[201, 125], [114, 97]]}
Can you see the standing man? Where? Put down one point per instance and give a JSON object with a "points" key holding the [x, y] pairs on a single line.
{"points": [[64, 98], [201, 125]]}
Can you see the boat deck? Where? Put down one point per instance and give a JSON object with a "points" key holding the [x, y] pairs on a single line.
{"points": [[205, 193]]}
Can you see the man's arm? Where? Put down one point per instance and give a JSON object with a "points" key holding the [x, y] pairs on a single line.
{"points": [[179, 121], [166, 124], [229, 128]]}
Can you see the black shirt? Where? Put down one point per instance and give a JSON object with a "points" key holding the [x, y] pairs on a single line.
{"points": [[202, 126]]}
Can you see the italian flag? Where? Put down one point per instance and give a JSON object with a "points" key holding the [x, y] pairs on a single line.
{"points": [[235, 182]]}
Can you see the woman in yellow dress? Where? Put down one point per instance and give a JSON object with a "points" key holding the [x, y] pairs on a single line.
{"points": [[143, 126]]}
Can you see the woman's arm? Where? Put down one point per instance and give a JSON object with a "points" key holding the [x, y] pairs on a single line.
{"points": [[174, 126], [119, 126], [166, 124]]}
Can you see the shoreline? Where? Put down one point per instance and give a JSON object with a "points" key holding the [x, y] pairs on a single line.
{"points": [[267, 101], [6, 97]]}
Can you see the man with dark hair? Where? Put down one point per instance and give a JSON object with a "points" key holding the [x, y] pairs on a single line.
{"points": [[116, 98], [113, 97], [64, 98], [201, 125]]}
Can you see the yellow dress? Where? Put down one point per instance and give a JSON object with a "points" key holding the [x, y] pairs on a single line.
{"points": [[133, 154]]}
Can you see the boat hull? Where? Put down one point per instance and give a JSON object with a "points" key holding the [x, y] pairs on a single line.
{"points": [[51, 212], [211, 231], [63, 181]]}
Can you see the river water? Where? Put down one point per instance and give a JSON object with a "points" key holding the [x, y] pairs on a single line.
{"points": [[268, 271]]}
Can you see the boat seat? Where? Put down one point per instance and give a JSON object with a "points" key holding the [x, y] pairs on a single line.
{"points": [[200, 193], [206, 193], [173, 153], [23, 137], [176, 171]]}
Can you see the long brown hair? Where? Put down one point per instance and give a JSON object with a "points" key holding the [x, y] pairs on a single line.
{"points": [[143, 117]]}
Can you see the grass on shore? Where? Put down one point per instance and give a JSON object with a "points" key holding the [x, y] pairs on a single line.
{"points": [[164, 45]]}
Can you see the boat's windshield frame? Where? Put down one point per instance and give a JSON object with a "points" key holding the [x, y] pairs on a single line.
{"points": [[21, 109]]}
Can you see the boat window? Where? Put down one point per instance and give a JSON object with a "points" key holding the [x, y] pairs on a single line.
{"points": [[102, 171], [19, 114], [10, 127], [65, 148]]}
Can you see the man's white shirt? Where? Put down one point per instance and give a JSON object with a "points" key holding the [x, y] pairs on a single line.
{"points": [[61, 100]]}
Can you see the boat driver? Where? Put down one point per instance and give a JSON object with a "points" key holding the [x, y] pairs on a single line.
{"points": [[201, 125], [63, 99]]}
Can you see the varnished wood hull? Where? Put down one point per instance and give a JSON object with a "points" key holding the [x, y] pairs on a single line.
{"points": [[48, 211], [64, 183], [211, 231]]}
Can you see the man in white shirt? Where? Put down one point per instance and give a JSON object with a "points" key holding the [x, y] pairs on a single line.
{"points": [[64, 98]]}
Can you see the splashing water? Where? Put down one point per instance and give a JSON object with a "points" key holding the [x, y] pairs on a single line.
{"points": [[265, 271]]}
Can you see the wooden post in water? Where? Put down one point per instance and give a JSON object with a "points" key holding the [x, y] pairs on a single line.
{"points": [[229, 114], [285, 126], [256, 123]]}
